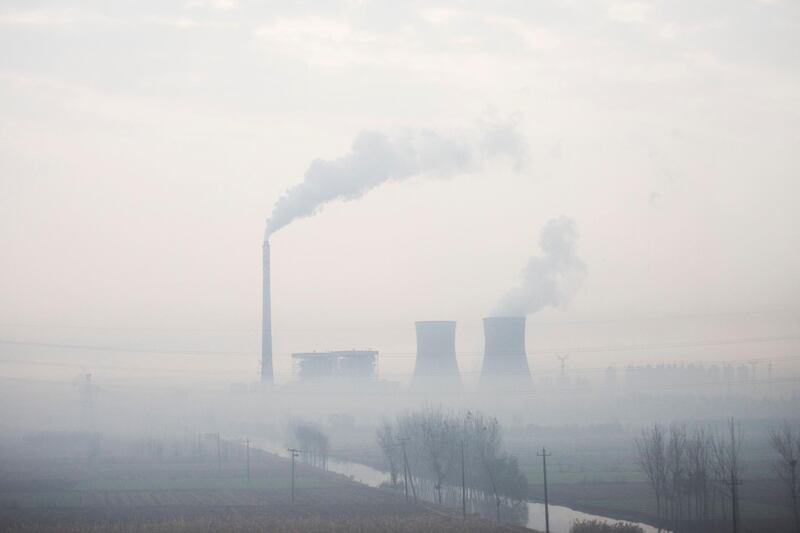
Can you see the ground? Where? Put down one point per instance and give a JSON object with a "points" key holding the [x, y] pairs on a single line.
{"points": [[154, 490]]}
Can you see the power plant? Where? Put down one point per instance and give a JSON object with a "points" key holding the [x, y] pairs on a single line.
{"points": [[436, 354], [504, 357], [266, 320]]}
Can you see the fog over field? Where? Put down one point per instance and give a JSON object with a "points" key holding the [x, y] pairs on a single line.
{"points": [[355, 227]]}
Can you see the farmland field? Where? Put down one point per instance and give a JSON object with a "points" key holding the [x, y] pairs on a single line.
{"points": [[140, 491]]}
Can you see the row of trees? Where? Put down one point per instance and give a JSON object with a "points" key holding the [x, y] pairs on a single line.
{"points": [[695, 475], [785, 440], [430, 449], [313, 444]]}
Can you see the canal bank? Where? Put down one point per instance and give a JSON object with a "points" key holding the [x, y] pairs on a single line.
{"points": [[532, 516]]}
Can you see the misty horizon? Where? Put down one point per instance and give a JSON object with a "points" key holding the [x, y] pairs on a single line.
{"points": [[315, 235]]}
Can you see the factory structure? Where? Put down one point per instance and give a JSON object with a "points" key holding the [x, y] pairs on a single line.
{"points": [[504, 358], [504, 365], [436, 363], [266, 319], [347, 364]]}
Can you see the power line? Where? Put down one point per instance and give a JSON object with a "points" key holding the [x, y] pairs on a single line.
{"points": [[101, 366], [93, 347], [462, 354], [462, 324], [670, 345], [667, 365], [533, 391]]}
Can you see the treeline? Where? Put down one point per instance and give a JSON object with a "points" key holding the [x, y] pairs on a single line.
{"points": [[696, 475], [426, 449], [313, 444]]}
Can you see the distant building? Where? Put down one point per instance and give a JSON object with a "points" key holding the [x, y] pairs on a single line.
{"points": [[686, 377], [352, 364]]}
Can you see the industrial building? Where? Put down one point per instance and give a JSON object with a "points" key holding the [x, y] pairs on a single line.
{"points": [[348, 364], [266, 319], [505, 358]]}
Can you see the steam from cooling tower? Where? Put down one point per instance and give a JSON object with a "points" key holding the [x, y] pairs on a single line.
{"points": [[550, 278], [376, 158]]}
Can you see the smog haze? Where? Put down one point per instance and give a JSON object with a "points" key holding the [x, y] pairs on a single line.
{"points": [[618, 178]]}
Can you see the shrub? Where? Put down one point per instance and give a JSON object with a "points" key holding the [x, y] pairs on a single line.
{"points": [[595, 526]]}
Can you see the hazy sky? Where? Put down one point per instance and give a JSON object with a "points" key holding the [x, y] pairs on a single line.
{"points": [[143, 146]]}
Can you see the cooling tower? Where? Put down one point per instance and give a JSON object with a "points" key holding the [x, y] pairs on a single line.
{"points": [[504, 357], [436, 353], [266, 321]]}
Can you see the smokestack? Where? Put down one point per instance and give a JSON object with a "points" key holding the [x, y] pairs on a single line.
{"points": [[266, 322], [436, 353], [504, 357]]}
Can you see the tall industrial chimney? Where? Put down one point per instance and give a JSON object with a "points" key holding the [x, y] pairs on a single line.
{"points": [[266, 321], [504, 357], [436, 354]]}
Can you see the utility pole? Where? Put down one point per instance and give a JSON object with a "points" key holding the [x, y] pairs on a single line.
{"points": [[544, 455], [563, 360], [405, 475], [734, 503], [563, 376], [294, 453], [405, 468], [409, 478], [734, 480], [219, 456], [463, 484], [247, 458]]}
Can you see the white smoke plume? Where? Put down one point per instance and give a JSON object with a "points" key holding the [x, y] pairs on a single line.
{"points": [[376, 158], [548, 279]]}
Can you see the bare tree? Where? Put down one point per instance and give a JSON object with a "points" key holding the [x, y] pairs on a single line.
{"points": [[699, 476], [389, 445], [785, 440], [433, 441], [676, 471], [727, 465], [681, 468], [439, 440], [487, 445], [651, 455], [313, 444]]}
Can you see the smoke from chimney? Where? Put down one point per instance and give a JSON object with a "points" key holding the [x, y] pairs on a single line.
{"points": [[548, 279], [376, 158]]}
